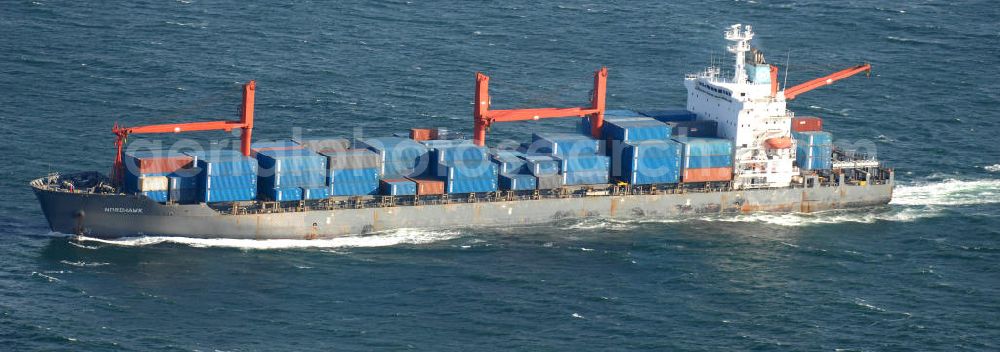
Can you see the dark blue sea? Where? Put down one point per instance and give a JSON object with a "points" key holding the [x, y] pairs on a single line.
{"points": [[922, 273]]}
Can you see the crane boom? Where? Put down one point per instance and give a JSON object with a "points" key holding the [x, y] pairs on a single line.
{"points": [[791, 93], [245, 123], [484, 117]]}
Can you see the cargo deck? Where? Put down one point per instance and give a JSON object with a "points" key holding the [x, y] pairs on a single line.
{"points": [[83, 208]]}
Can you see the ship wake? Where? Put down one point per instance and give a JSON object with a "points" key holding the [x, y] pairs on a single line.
{"points": [[380, 239], [909, 203]]}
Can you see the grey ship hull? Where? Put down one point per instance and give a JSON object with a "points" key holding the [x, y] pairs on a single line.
{"points": [[118, 215]]}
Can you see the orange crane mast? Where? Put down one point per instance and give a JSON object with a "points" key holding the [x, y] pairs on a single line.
{"points": [[245, 123], [484, 117], [791, 93]]}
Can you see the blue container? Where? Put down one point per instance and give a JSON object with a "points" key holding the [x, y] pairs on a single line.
{"points": [[542, 165], [224, 163], [637, 174], [157, 196], [353, 175], [398, 187], [289, 180], [705, 146], [296, 160], [405, 168], [621, 113], [667, 149], [315, 193], [243, 181], [636, 130], [283, 194], [471, 185], [564, 144], [393, 148], [709, 161], [579, 163], [461, 170], [813, 138], [649, 162], [670, 115], [508, 161], [465, 152], [815, 151], [518, 182], [584, 125], [354, 188], [585, 178], [226, 194]]}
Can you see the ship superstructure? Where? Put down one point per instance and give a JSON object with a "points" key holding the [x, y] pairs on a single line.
{"points": [[752, 111]]}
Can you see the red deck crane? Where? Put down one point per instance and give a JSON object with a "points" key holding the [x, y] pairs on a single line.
{"points": [[484, 117], [791, 93], [245, 123]]}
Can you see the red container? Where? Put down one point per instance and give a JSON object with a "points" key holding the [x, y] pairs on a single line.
{"points": [[420, 134], [712, 174], [427, 186], [160, 165], [807, 124]]}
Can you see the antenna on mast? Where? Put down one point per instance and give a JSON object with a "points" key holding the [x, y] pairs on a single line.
{"points": [[788, 60]]}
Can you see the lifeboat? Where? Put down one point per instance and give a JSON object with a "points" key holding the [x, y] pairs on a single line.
{"points": [[779, 143]]}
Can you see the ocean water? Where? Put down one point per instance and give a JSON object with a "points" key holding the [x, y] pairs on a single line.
{"points": [[919, 274]]}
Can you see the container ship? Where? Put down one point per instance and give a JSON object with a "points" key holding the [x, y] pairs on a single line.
{"points": [[735, 148]]}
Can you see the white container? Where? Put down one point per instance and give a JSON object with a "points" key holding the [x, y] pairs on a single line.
{"points": [[153, 183]]}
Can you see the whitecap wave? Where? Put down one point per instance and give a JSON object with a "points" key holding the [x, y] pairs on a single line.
{"points": [[992, 168], [382, 239], [601, 224], [863, 216], [948, 192], [83, 264]]}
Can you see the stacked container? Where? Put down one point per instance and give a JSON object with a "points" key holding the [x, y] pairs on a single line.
{"points": [[649, 162], [814, 150], [352, 172], [400, 157], [463, 166], [514, 174], [640, 150], [635, 130], [149, 172], [706, 159], [563, 144], [291, 174], [579, 158], [226, 176]]}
